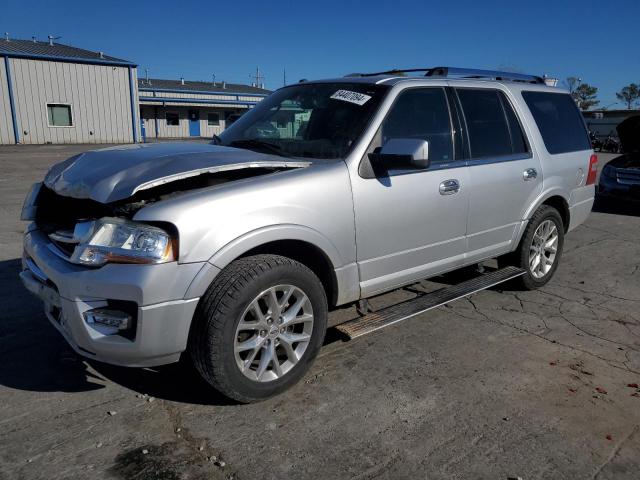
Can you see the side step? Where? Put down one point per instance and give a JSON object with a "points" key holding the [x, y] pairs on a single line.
{"points": [[410, 308]]}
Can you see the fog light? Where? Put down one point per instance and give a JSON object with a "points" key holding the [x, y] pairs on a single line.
{"points": [[115, 320]]}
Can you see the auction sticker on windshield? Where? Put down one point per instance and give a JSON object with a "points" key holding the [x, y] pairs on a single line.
{"points": [[351, 97]]}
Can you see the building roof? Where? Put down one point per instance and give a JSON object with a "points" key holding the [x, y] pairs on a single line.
{"points": [[199, 87], [58, 51]]}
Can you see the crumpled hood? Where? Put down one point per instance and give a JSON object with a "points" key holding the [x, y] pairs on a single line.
{"points": [[116, 173]]}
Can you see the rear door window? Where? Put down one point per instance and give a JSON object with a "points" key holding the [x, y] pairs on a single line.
{"points": [[559, 121], [493, 128]]}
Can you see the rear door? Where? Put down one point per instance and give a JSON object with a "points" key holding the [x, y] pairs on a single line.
{"points": [[411, 223], [505, 175]]}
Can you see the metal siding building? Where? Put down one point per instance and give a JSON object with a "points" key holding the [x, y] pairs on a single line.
{"points": [[186, 109], [6, 123], [94, 95]]}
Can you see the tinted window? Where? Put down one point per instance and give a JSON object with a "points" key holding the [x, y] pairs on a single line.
{"points": [[559, 121], [518, 141], [487, 127], [422, 113]]}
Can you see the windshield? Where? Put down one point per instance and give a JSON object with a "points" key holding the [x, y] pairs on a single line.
{"points": [[321, 120]]}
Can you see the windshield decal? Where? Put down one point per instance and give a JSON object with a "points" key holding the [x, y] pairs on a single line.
{"points": [[351, 97]]}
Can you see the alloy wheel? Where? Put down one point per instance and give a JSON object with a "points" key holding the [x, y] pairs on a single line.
{"points": [[543, 249], [273, 333]]}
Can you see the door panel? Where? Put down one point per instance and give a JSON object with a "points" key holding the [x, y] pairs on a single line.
{"points": [[194, 123], [411, 223], [406, 229], [498, 198], [504, 174]]}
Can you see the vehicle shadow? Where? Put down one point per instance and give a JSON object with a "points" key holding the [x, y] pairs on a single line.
{"points": [[616, 206], [34, 356]]}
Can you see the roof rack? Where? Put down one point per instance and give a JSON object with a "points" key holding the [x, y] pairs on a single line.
{"points": [[448, 72]]}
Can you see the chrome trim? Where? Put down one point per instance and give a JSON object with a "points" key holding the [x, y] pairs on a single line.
{"points": [[63, 237], [530, 174], [449, 187], [58, 251]]}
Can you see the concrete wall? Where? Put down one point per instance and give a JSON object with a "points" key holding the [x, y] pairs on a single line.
{"points": [[99, 96], [6, 125]]}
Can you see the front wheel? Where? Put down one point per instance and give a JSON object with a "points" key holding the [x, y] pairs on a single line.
{"points": [[540, 249], [259, 327]]}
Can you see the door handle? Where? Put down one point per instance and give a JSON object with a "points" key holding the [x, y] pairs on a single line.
{"points": [[449, 187], [530, 174]]}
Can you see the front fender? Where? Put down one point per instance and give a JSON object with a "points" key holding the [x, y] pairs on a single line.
{"points": [[273, 233], [346, 273]]}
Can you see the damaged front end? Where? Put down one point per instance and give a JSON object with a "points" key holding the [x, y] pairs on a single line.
{"points": [[87, 232]]}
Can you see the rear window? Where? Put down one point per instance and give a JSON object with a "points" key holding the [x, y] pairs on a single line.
{"points": [[559, 121]]}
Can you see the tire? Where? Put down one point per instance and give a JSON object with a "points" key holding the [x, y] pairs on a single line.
{"points": [[536, 277], [243, 291]]}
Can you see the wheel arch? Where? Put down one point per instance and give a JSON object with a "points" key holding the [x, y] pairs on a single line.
{"points": [[555, 198], [299, 243]]}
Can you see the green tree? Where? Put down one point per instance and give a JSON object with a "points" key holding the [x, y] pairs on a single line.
{"points": [[585, 96], [629, 95]]}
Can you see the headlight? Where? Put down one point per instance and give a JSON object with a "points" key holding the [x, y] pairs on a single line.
{"points": [[609, 171], [114, 240]]}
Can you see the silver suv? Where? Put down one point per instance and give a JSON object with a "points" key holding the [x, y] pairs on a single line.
{"points": [[327, 193]]}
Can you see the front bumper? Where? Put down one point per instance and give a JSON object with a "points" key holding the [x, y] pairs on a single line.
{"points": [[610, 187], [164, 312]]}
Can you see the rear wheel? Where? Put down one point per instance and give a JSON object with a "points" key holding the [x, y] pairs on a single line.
{"points": [[259, 327], [540, 249]]}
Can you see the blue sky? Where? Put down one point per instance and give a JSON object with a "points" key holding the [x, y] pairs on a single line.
{"points": [[594, 40]]}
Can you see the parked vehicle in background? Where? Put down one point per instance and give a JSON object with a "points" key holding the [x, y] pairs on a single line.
{"points": [[325, 194], [620, 178], [611, 144]]}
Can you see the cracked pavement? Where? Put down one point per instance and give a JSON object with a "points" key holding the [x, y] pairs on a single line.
{"points": [[502, 384]]}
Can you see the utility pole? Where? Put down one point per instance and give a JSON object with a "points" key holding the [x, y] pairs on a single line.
{"points": [[284, 77], [259, 78]]}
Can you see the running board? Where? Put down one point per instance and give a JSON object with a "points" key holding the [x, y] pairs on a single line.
{"points": [[410, 308]]}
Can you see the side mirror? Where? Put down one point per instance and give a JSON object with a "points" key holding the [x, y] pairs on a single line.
{"points": [[402, 153]]}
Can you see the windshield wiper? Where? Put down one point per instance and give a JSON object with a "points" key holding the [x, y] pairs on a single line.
{"points": [[254, 143]]}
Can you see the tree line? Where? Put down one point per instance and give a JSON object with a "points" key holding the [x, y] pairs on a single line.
{"points": [[586, 96]]}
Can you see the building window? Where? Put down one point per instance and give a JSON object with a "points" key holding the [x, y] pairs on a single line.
{"points": [[59, 115], [213, 119], [173, 119]]}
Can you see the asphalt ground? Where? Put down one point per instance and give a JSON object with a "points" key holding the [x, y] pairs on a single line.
{"points": [[504, 384]]}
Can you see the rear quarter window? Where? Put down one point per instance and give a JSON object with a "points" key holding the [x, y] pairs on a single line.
{"points": [[559, 121]]}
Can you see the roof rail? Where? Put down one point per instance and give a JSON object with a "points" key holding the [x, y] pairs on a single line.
{"points": [[448, 72]]}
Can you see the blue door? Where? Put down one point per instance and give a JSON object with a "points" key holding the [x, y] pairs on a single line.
{"points": [[194, 123]]}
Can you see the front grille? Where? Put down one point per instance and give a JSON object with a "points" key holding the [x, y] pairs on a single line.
{"points": [[629, 176], [55, 213]]}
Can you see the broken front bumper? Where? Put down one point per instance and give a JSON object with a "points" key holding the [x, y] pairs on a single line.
{"points": [[158, 293]]}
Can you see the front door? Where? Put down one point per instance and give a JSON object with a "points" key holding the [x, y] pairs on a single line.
{"points": [[194, 123], [410, 223]]}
